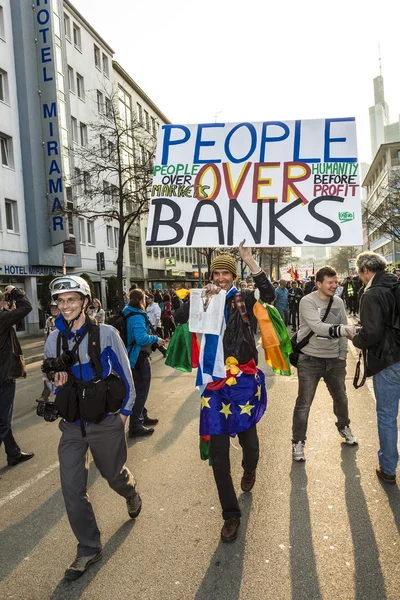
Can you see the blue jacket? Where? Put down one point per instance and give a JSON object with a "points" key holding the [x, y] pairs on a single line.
{"points": [[138, 336]]}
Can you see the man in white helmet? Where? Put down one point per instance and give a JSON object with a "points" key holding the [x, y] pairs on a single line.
{"points": [[104, 435]]}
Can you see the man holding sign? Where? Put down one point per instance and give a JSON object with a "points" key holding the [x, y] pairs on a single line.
{"points": [[232, 388]]}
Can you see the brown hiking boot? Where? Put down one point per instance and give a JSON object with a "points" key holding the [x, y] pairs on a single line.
{"points": [[385, 477], [248, 480], [229, 532]]}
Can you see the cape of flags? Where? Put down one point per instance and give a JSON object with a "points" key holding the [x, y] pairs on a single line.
{"points": [[274, 338]]}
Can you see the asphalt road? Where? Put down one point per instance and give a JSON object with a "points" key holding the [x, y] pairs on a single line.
{"points": [[322, 529]]}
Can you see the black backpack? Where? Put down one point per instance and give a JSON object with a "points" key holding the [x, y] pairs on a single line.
{"points": [[119, 321]]}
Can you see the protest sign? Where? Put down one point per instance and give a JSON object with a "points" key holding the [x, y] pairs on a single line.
{"points": [[276, 183]]}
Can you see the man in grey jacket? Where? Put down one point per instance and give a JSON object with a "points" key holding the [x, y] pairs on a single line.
{"points": [[324, 357], [105, 439]]}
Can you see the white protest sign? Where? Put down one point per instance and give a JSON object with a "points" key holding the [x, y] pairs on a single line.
{"points": [[206, 313], [276, 183]]}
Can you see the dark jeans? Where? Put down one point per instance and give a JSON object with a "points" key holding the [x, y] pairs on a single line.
{"points": [[310, 370], [295, 316], [141, 378], [351, 304], [167, 326], [7, 393], [219, 450]]}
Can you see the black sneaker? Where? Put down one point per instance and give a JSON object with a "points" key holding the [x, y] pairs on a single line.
{"points": [[149, 421], [81, 563], [140, 432], [134, 505]]}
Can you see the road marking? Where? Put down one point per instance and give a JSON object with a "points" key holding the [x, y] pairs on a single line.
{"points": [[28, 484]]}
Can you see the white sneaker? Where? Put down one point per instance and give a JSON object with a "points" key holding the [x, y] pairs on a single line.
{"points": [[298, 451], [348, 436]]}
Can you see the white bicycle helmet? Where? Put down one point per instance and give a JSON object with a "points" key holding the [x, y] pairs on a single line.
{"points": [[69, 283]]}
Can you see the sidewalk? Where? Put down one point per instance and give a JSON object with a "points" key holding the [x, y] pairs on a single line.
{"points": [[32, 347]]}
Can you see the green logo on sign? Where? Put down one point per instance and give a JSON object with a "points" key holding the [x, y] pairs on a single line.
{"points": [[346, 216]]}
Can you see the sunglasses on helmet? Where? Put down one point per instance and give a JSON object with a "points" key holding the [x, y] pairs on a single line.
{"points": [[64, 284]]}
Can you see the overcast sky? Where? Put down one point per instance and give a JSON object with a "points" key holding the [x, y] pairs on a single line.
{"points": [[231, 61]]}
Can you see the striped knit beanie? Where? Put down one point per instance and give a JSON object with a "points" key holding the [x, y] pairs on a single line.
{"points": [[224, 261]]}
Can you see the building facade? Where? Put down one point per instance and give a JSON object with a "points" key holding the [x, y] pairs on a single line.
{"points": [[14, 258], [57, 81], [385, 163]]}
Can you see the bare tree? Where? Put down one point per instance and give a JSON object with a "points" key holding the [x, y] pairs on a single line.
{"points": [[341, 256], [273, 258], [113, 175], [208, 254], [386, 216]]}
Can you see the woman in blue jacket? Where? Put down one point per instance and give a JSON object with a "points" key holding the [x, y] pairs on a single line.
{"points": [[139, 350]]}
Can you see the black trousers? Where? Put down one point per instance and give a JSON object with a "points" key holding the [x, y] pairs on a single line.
{"points": [[219, 450]]}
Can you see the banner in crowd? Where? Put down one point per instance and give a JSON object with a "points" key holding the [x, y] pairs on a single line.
{"points": [[277, 183]]}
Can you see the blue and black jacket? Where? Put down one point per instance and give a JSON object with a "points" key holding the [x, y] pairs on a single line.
{"points": [[138, 332], [113, 356]]}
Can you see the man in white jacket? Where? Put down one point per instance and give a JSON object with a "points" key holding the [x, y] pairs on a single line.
{"points": [[153, 312]]}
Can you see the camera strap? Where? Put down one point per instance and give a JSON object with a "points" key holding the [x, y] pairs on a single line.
{"points": [[93, 330]]}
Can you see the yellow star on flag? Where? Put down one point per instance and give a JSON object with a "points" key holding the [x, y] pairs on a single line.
{"points": [[246, 408], [258, 394], [226, 410], [204, 402]]}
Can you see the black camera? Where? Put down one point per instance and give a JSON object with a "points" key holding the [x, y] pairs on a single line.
{"points": [[161, 349], [64, 362], [47, 410]]}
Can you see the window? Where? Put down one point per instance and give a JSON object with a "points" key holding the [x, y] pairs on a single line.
{"points": [[96, 50], [116, 237], [74, 123], [90, 232], [103, 146], [139, 113], [100, 103], [105, 66], [186, 255], [82, 232], [80, 86], [111, 152], [167, 252], [142, 155], [135, 255], [147, 120], [110, 238], [108, 106], [77, 37], [67, 26], [161, 252], [86, 182], [153, 126], [78, 182], [7, 158], [4, 86], [71, 80], [84, 135], [11, 216]]}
